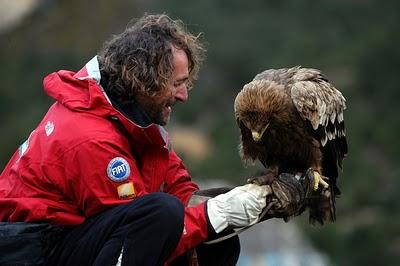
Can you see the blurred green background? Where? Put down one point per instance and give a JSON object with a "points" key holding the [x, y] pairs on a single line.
{"points": [[356, 43]]}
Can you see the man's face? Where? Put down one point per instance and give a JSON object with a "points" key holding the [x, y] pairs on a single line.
{"points": [[159, 107]]}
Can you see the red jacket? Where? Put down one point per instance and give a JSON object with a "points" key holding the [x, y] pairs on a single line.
{"points": [[86, 157]]}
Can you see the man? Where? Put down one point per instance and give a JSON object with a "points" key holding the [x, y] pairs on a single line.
{"points": [[100, 167]]}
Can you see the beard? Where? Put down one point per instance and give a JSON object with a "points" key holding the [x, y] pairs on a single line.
{"points": [[157, 109], [157, 114]]}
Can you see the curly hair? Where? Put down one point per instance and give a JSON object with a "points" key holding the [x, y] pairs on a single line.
{"points": [[139, 60]]}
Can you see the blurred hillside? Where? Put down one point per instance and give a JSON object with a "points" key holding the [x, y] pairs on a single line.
{"points": [[354, 42]]}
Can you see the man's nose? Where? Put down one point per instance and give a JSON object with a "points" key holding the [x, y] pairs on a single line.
{"points": [[182, 94]]}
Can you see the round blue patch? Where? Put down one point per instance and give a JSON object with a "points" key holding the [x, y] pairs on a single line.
{"points": [[118, 169]]}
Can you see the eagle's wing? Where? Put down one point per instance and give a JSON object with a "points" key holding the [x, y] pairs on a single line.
{"points": [[319, 102], [322, 105]]}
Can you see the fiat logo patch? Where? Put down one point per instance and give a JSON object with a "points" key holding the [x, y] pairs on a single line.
{"points": [[118, 169]]}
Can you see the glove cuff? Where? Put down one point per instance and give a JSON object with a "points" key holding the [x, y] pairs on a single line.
{"points": [[216, 215]]}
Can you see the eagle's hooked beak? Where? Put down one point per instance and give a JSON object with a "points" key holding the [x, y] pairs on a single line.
{"points": [[257, 136]]}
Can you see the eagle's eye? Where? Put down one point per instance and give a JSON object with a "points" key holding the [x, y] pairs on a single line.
{"points": [[248, 125]]}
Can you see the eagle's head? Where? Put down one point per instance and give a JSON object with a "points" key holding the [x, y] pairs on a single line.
{"points": [[259, 106]]}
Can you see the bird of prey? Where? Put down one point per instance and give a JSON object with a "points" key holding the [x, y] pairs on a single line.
{"points": [[291, 120]]}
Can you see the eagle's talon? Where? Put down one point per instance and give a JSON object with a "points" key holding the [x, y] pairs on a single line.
{"points": [[319, 179]]}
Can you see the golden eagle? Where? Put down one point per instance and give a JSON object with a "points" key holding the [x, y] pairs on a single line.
{"points": [[291, 120]]}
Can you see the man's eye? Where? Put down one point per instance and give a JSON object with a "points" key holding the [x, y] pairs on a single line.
{"points": [[177, 84]]}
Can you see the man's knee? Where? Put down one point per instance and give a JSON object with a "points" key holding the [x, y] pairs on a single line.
{"points": [[159, 208], [168, 209]]}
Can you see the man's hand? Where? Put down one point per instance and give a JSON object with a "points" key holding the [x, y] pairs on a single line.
{"points": [[237, 208]]}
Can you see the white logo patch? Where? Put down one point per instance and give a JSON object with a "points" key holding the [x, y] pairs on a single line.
{"points": [[118, 169], [23, 148], [49, 127]]}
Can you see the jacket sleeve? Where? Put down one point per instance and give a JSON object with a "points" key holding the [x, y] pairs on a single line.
{"points": [[178, 182], [196, 228], [90, 181]]}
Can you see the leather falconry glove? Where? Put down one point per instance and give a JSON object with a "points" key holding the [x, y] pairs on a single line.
{"points": [[290, 195]]}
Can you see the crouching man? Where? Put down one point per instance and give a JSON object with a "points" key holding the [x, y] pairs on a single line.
{"points": [[97, 181]]}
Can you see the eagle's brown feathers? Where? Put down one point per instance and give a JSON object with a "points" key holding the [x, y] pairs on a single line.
{"points": [[292, 120]]}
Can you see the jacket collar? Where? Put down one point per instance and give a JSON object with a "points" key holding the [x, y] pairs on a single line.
{"points": [[134, 113]]}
